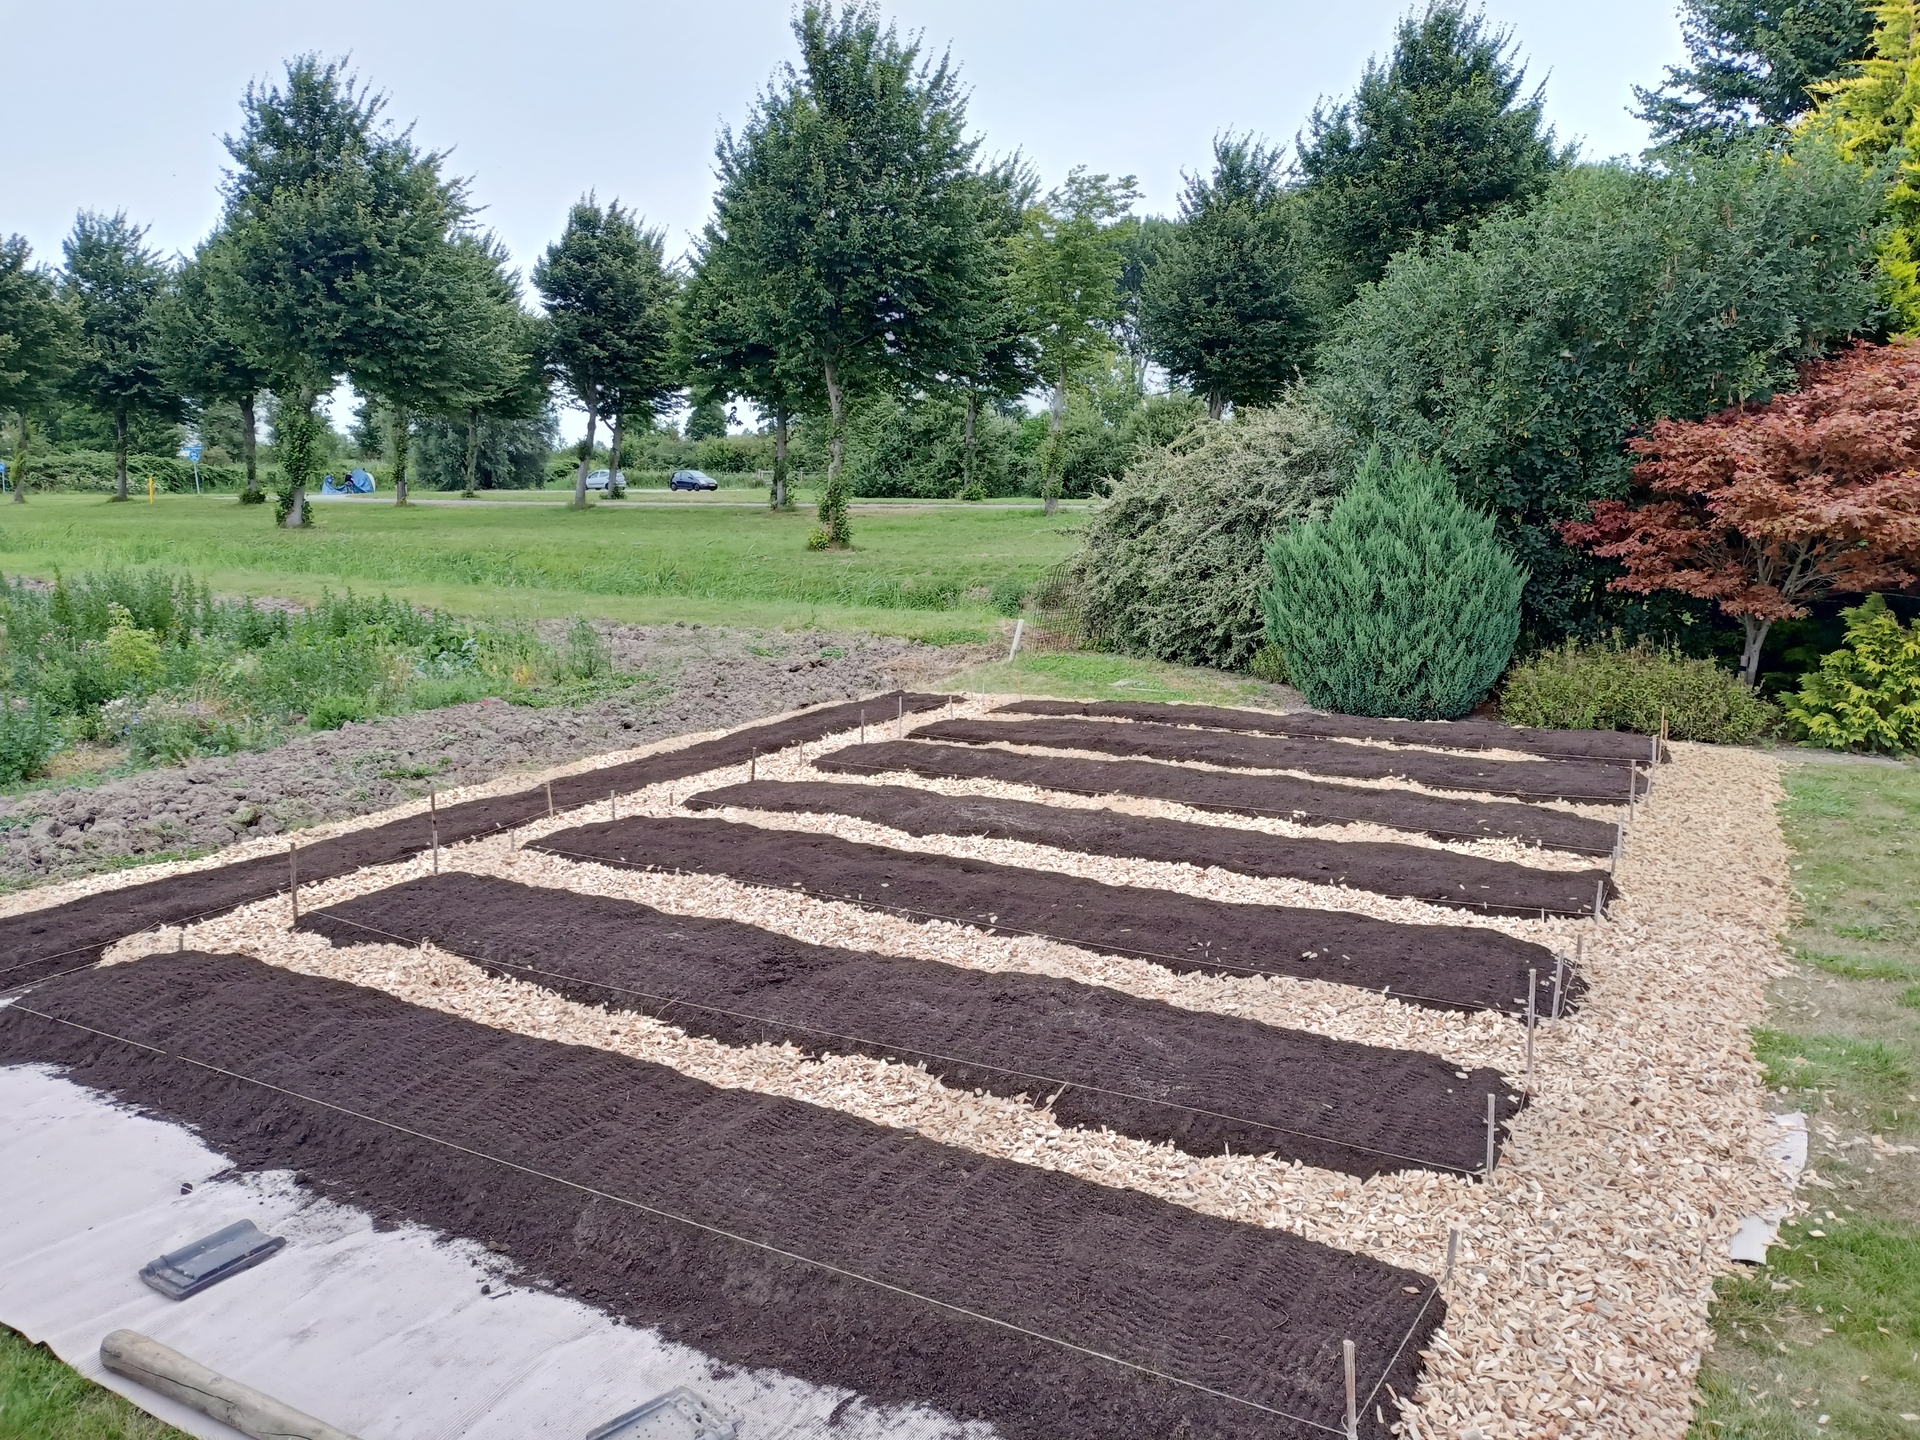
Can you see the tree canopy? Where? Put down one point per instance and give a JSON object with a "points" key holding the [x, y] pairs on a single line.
{"points": [[1752, 63], [35, 336], [1225, 306], [204, 360], [1441, 135]]}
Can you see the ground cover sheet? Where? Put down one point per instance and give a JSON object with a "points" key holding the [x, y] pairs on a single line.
{"points": [[1415, 872], [1606, 745], [1586, 781], [1095, 1056], [1444, 965], [535, 1146], [1288, 797]]}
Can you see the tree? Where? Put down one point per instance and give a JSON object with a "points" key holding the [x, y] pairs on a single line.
{"points": [[707, 420], [994, 356], [1754, 63], [202, 358], [114, 284], [493, 364], [1065, 283], [850, 194], [1225, 308], [339, 256], [610, 308], [36, 336], [1434, 140], [1524, 361], [1873, 116], [1764, 510]]}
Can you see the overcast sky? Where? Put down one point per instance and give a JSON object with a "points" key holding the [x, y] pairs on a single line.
{"points": [[121, 106]]}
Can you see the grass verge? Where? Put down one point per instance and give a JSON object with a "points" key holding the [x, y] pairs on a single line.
{"points": [[41, 1399], [1824, 1340], [1082, 675]]}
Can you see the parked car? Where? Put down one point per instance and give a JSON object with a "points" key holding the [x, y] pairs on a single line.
{"points": [[692, 480], [601, 479]]}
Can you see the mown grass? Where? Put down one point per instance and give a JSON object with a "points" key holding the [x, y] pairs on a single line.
{"points": [[41, 1399], [917, 571], [1825, 1338], [1081, 675]]}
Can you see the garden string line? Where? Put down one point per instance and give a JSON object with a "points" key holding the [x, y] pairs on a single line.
{"points": [[1216, 807], [700, 1225], [1172, 962], [672, 1000]]}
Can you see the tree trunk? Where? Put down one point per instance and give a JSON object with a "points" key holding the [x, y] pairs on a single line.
{"points": [[249, 448], [294, 439], [833, 499], [1050, 472], [1750, 656], [1216, 404], [120, 454], [400, 442], [586, 459], [20, 463], [779, 457], [613, 460], [966, 454], [470, 462]]}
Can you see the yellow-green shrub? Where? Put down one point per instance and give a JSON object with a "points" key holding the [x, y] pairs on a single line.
{"points": [[1865, 696], [1609, 686]]}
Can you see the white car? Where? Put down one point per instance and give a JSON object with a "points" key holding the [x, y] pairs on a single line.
{"points": [[599, 479]]}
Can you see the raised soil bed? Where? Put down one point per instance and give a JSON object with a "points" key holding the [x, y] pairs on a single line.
{"points": [[1446, 966], [1608, 745], [61, 937], [760, 1230], [1285, 797], [1587, 781], [1097, 1057], [1413, 872]]}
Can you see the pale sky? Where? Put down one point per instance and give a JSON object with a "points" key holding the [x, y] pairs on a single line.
{"points": [[121, 105]]}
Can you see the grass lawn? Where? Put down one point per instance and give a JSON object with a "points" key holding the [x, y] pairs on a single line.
{"points": [[41, 1399], [921, 571], [1825, 1339], [1078, 675]]}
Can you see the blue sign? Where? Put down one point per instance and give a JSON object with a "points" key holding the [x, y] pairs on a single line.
{"points": [[192, 452]]}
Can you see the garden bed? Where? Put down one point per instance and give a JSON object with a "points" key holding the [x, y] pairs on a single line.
{"points": [[763, 1231], [1590, 782], [1096, 1057], [1414, 872], [1285, 797], [1605, 745], [1436, 965], [61, 937]]}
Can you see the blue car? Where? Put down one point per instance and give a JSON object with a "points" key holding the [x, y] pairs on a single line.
{"points": [[692, 480]]}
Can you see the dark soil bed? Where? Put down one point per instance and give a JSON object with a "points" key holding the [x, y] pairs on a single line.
{"points": [[1203, 1082], [1450, 966], [1588, 781], [60, 937], [1256, 1314], [1308, 802], [1614, 746], [1414, 872]]}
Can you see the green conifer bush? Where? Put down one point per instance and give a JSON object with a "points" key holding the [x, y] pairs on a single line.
{"points": [[1399, 603], [1867, 695]]}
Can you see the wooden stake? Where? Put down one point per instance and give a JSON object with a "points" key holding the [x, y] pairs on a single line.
{"points": [[1490, 1137], [1533, 977], [901, 718], [549, 800], [753, 767], [1559, 969], [293, 879], [433, 823], [1599, 901], [1353, 1418], [1453, 1248], [863, 727], [613, 808]]}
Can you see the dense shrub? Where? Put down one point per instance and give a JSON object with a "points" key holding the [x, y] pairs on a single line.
{"points": [[92, 470], [27, 738], [1400, 602], [1172, 565], [1865, 696], [1606, 685], [1523, 359]]}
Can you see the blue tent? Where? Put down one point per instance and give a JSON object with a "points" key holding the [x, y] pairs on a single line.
{"points": [[358, 482]]}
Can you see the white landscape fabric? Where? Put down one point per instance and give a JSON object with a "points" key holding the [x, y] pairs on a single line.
{"points": [[384, 1334]]}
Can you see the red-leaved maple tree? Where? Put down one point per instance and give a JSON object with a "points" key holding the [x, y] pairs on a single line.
{"points": [[1766, 508]]}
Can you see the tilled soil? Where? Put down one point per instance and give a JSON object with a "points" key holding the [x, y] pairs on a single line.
{"points": [[1413, 872], [1608, 745], [1141, 1067], [60, 937], [758, 1229], [1588, 781], [695, 678], [1451, 967], [1287, 797]]}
